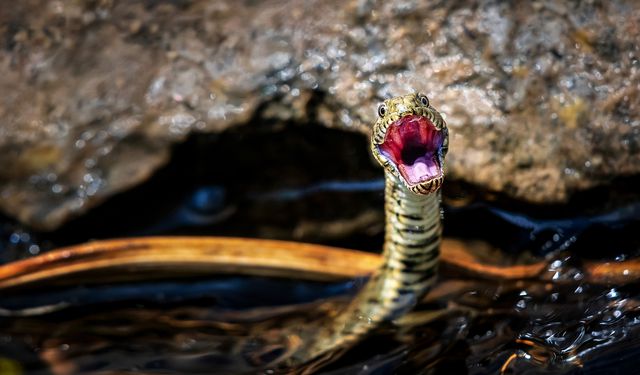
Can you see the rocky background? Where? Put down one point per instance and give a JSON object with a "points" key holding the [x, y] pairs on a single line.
{"points": [[542, 98]]}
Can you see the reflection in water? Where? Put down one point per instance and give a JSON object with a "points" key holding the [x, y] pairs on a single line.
{"points": [[557, 324]]}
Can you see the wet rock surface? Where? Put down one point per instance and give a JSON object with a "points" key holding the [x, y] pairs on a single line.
{"points": [[541, 99]]}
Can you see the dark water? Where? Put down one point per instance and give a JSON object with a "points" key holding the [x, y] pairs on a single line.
{"points": [[557, 323], [561, 325]]}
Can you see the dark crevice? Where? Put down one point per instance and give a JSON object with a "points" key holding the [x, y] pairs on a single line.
{"points": [[313, 184], [213, 185]]}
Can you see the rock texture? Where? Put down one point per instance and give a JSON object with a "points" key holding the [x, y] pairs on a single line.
{"points": [[542, 99]]}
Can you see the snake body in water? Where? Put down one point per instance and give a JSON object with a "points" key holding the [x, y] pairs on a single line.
{"points": [[410, 140]]}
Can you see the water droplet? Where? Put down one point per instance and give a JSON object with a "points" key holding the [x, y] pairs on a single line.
{"points": [[34, 249], [93, 188], [105, 150], [14, 238], [90, 163]]}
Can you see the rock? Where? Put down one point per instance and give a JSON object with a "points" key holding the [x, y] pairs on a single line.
{"points": [[542, 99]]}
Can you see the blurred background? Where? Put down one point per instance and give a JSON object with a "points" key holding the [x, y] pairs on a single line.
{"points": [[211, 117], [251, 118]]}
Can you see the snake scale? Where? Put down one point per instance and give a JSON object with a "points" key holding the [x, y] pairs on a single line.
{"points": [[410, 140]]}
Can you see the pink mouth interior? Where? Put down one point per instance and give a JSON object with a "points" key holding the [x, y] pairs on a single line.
{"points": [[413, 144]]}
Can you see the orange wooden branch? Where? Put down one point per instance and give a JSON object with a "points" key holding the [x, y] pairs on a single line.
{"points": [[198, 254], [214, 255]]}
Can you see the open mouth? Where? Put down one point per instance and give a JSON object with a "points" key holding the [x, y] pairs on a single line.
{"points": [[413, 144]]}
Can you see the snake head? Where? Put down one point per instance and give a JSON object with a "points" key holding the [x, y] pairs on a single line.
{"points": [[410, 140]]}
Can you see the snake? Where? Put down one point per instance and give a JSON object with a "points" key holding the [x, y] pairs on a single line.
{"points": [[409, 140]]}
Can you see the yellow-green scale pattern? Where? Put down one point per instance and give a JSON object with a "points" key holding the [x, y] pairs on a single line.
{"points": [[411, 250]]}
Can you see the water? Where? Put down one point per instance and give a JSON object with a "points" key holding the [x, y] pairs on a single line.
{"points": [[180, 326], [561, 321], [556, 324]]}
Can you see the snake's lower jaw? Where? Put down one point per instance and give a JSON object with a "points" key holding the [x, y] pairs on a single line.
{"points": [[413, 150], [427, 187]]}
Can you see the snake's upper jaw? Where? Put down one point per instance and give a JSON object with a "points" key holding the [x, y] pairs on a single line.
{"points": [[414, 147]]}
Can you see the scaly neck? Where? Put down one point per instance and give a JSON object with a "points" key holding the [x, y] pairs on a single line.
{"points": [[411, 250]]}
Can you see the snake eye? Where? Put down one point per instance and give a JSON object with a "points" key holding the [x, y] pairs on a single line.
{"points": [[423, 99], [382, 110]]}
